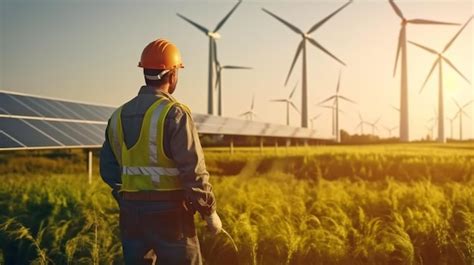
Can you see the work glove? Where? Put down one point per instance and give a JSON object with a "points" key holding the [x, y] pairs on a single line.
{"points": [[214, 224]]}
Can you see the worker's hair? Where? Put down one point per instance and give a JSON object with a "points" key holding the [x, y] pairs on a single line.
{"points": [[154, 72]]}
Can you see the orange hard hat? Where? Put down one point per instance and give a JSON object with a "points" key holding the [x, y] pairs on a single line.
{"points": [[161, 55]]}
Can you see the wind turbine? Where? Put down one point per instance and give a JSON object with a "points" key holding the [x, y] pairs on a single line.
{"points": [[336, 98], [302, 49], [218, 85], [430, 130], [374, 125], [361, 124], [213, 36], [439, 62], [460, 113], [288, 104], [402, 51], [389, 130], [434, 119], [333, 116], [250, 114], [451, 121]]}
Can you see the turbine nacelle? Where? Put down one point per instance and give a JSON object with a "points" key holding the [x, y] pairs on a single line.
{"points": [[214, 35]]}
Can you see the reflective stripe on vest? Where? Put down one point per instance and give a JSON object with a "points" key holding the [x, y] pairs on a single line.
{"points": [[152, 171], [145, 165]]}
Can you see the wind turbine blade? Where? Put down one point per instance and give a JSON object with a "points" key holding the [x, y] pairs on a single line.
{"points": [[201, 28], [429, 74], [467, 104], [278, 100], [227, 16], [320, 23], [430, 22], [253, 102], [395, 108], [214, 48], [424, 47], [315, 43], [338, 82], [315, 117], [326, 100], [347, 99], [293, 91], [377, 121], [294, 106], [218, 79], [457, 34], [327, 107], [360, 117], [217, 65], [396, 9], [292, 27], [454, 67], [465, 113], [398, 51], [236, 67], [298, 51], [457, 104]]}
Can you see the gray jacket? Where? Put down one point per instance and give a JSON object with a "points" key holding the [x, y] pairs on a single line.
{"points": [[181, 144]]}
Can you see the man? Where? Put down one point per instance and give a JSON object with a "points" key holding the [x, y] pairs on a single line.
{"points": [[153, 161]]}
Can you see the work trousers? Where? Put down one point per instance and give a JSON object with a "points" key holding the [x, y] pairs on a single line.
{"points": [[160, 233]]}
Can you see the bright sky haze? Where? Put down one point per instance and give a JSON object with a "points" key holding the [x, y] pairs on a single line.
{"points": [[89, 50]]}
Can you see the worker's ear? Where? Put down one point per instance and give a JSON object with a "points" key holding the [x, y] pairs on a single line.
{"points": [[173, 80], [172, 77]]}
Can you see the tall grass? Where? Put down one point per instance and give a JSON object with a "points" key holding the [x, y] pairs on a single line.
{"points": [[398, 204]]}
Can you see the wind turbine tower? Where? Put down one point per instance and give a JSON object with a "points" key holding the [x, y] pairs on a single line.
{"points": [[460, 113], [439, 62], [213, 36], [336, 98], [302, 49], [218, 86], [361, 124], [288, 104], [374, 125], [250, 114], [402, 50]]}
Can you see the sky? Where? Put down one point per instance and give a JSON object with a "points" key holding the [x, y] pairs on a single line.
{"points": [[89, 50]]}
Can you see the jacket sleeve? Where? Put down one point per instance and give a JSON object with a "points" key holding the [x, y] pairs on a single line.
{"points": [[110, 168], [185, 150]]}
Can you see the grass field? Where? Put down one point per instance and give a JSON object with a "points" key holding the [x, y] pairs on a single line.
{"points": [[381, 204]]}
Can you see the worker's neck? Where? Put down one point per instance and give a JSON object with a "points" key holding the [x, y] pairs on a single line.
{"points": [[162, 88]]}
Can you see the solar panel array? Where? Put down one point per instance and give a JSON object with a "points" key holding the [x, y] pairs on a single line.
{"points": [[34, 122], [31, 122], [208, 124]]}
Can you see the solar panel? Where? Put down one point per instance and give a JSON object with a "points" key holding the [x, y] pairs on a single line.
{"points": [[26, 105], [31, 122]]}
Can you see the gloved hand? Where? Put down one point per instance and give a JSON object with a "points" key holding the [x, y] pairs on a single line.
{"points": [[214, 224]]}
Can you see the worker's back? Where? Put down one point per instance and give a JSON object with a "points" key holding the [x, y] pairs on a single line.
{"points": [[153, 161]]}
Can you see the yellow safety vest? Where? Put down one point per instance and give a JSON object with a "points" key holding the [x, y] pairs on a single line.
{"points": [[145, 166]]}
